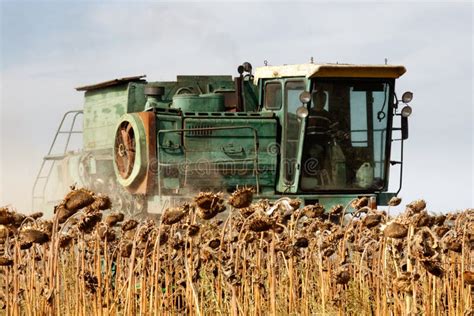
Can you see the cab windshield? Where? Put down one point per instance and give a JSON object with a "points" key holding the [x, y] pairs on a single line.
{"points": [[345, 137]]}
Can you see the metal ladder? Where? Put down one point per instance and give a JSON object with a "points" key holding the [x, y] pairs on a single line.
{"points": [[46, 168]]}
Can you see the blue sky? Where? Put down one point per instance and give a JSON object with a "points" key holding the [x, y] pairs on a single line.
{"points": [[47, 48]]}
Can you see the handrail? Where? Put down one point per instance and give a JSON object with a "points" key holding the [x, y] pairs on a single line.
{"points": [[58, 131], [186, 163]]}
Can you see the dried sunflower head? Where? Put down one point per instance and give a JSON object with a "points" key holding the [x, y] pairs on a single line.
{"points": [[145, 230], [6, 216], [336, 210], [440, 231], [422, 219], [372, 220], [101, 202], [5, 261], [261, 224], [439, 220], [313, 211], [113, 219], [89, 221], [65, 240], [36, 215], [212, 212], [126, 250], [207, 200], [25, 245], [403, 283], [295, 203], [395, 201], [242, 197], [78, 198], [342, 276], [62, 213], [247, 211], [395, 230], [32, 235], [106, 233], [18, 219], [453, 245], [163, 237], [328, 252], [46, 226], [360, 203], [214, 243], [417, 206], [129, 225], [173, 215], [468, 277], [301, 242], [91, 282], [193, 230], [424, 244], [433, 267]]}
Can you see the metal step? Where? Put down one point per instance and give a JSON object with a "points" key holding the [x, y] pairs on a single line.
{"points": [[54, 157], [68, 132]]}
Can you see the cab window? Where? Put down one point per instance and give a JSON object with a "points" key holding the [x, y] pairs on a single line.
{"points": [[273, 96]]}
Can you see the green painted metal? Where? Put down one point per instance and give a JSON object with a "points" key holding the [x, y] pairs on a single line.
{"points": [[209, 102], [384, 197], [250, 92], [238, 156], [153, 102], [104, 107], [216, 151]]}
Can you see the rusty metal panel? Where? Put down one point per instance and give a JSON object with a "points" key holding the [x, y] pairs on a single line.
{"points": [[147, 184]]}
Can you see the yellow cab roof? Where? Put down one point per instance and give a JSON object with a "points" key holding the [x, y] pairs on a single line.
{"points": [[329, 70]]}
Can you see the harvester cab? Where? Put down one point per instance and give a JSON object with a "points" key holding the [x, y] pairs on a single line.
{"points": [[318, 132], [336, 127]]}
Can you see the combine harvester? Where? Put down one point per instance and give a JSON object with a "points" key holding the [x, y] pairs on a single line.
{"points": [[318, 132]]}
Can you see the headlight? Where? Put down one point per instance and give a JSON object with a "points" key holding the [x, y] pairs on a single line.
{"points": [[305, 97], [406, 111], [407, 97], [302, 112]]}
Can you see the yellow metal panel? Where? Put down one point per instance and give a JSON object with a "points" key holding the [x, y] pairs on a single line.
{"points": [[299, 70], [329, 70], [359, 71]]}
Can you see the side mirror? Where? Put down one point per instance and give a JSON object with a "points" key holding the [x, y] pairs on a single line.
{"points": [[404, 127]]}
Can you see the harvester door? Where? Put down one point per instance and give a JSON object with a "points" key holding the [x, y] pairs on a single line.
{"points": [[291, 136]]}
